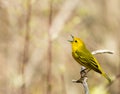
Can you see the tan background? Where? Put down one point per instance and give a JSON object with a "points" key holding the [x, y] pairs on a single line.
{"points": [[26, 28]]}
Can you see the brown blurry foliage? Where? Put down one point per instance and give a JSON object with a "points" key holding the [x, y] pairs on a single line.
{"points": [[94, 21]]}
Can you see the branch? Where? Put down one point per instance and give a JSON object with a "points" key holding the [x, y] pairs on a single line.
{"points": [[85, 85], [102, 52], [83, 79]]}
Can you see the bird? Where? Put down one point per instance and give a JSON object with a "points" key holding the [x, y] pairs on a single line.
{"points": [[84, 57]]}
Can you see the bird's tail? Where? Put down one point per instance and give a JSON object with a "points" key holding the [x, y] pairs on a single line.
{"points": [[107, 77]]}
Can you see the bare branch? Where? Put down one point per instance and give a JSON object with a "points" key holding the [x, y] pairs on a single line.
{"points": [[102, 52], [83, 79], [85, 85]]}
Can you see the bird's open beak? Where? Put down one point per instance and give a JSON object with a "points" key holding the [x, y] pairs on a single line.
{"points": [[72, 38]]}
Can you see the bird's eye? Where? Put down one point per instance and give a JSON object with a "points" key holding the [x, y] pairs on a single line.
{"points": [[75, 40]]}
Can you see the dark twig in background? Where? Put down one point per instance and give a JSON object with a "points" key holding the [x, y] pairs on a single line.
{"points": [[49, 51], [26, 47], [118, 76]]}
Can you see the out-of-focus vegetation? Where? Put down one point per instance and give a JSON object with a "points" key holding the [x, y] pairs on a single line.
{"points": [[35, 57]]}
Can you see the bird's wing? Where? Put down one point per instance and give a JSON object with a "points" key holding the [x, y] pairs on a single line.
{"points": [[87, 60]]}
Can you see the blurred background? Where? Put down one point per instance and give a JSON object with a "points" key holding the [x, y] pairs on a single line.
{"points": [[35, 56]]}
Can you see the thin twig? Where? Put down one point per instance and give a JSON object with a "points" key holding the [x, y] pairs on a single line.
{"points": [[102, 52]]}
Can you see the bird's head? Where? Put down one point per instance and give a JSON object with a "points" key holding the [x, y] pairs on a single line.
{"points": [[77, 43]]}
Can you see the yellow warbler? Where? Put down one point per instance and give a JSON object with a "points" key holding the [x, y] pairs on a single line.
{"points": [[85, 58]]}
